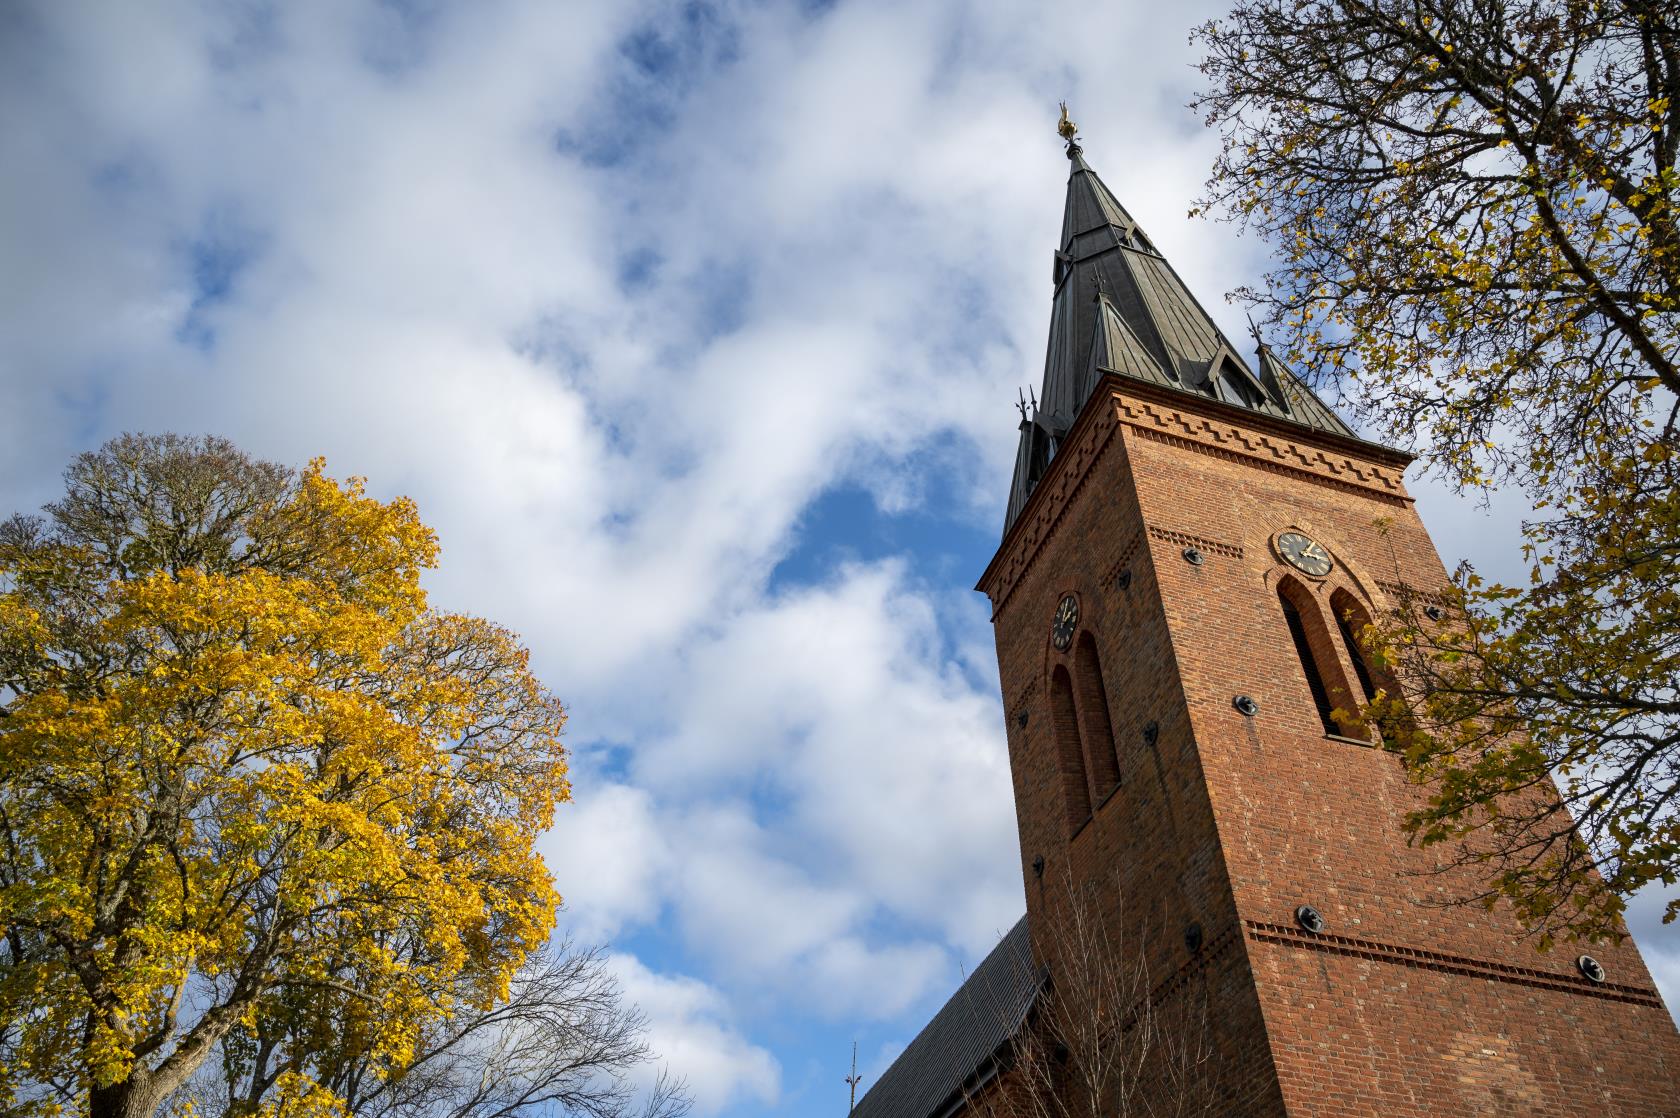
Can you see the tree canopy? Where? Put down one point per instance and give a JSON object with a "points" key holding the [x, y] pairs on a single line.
{"points": [[246, 772], [1473, 206]]}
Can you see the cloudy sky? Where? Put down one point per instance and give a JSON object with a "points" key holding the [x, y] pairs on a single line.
{"points": [[695, 330]]}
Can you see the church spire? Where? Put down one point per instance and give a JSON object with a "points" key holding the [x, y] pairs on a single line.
{"points": [[1120, 308]]}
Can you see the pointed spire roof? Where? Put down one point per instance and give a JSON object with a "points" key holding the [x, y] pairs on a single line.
{"points": [[1090, 205], [1120, 308]]}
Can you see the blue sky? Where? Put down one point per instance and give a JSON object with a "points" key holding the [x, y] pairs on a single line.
{"points": [[695, 330]]}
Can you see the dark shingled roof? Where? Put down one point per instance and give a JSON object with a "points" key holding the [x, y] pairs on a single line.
{"points": [[1120, 308], [962, 1037]]}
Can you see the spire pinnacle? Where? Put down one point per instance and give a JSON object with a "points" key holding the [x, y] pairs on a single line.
{"points": [[1069, 131]]}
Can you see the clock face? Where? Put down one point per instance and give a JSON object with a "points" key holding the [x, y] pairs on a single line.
{"points": [[1061, 629], [1304, 554]]}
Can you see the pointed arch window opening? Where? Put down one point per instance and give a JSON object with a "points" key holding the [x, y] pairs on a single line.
{"points": [[1273, 377], [1309, 663], [1096, 726], [1070, 749], [1366, 684], [1223, 389], [1038, 454], [1351, 620], [1137, 239]]}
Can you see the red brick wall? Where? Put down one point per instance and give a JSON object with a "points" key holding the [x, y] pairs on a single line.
{"points": [[1403, 1006]]}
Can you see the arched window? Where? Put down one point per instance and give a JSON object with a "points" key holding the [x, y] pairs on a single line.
{"points": [[1070, 751], [1095, 729], [1310, 666], [1351, 620]]}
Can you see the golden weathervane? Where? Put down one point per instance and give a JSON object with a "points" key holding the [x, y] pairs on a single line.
{"points": [[1067, 127]]}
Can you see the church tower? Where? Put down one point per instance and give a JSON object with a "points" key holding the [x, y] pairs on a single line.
{"points": [[1192, 539]]}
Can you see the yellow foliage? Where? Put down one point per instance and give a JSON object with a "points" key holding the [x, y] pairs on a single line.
{"points": [[271, 773], [298, 1096]]}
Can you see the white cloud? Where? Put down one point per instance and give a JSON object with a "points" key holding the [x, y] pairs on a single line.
{"points": [[610, 855], [690, 1031], [829, 766], [842, 697], [883, 758]]}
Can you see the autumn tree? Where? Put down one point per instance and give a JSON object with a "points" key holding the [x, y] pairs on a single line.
{"points": [[1473, 205], [244, 765]]}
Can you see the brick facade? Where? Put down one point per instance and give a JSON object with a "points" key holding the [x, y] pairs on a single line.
{"points": [[1228, 822]]}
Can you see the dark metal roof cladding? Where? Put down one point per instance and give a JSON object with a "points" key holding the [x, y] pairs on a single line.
{"points": [[1120, 308], [958, 1046]]}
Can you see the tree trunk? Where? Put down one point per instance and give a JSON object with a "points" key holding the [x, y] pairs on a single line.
{"points": [[134, 1097]]}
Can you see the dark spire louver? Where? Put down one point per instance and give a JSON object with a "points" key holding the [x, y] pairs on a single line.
{"points": [[1120, 308]]}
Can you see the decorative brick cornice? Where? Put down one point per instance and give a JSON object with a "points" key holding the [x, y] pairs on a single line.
{"points": [[1200, 543], [1340, 462], [1176, 427], [1450, 964]]}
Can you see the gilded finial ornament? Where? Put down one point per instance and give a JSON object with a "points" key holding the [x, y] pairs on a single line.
{"points": [[1069, 131]]}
